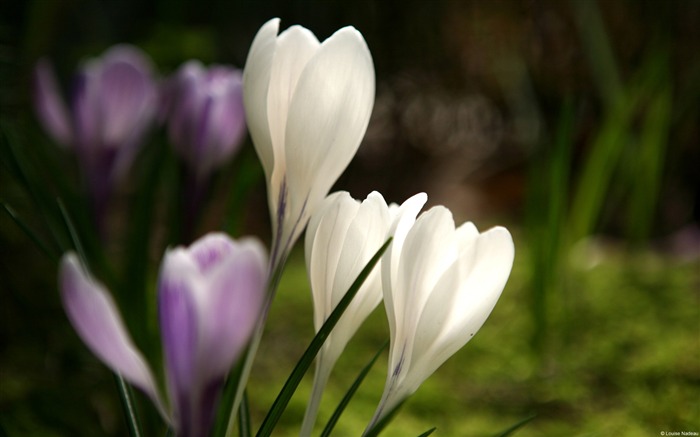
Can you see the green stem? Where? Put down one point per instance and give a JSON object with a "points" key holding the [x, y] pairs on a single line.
{"points": [[127, 401]]}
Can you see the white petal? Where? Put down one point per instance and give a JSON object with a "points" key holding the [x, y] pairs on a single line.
{"points": [[326, 251], [403, 220], [328, 116], [478, 293], [295, 46], [429, 249], [364, 237], [315, 220], [256, 83]]}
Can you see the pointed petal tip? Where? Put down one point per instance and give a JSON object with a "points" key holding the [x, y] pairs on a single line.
{"points": [[273, 24], [49, 104], [350, 31], [420, 197]]}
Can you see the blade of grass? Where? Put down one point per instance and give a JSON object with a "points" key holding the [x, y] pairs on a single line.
{"points": [[428, 432], [247, 173], [77, 245], [133, 293], [244, 417], [596, 175], [307, 358], [511, 430], [351, 392], [549, 179], [18, 165], [126, 398], [606, 152], [650, 163], [53, 255], [596, 45]]}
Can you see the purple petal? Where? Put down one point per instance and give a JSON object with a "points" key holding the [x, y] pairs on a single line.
{"points": [[95, 317], [231, 307], [211, 250], [49, 105], [179, 322], [128, 95], [86, 112], [206, 116], [227, 120], [186, 104]]}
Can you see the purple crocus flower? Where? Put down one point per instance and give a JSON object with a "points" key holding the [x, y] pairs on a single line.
{"points": [[206, 119], [209, 298], [114, 101]]}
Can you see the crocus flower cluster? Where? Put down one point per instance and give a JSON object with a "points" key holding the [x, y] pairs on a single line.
{"points": [[116, 99], [308, 105], [113, 104], [439, 284], [209, 298]]}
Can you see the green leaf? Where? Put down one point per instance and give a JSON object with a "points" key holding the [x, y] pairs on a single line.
{"points": [[53, 255], [428, 432], [72, 231], [649, 157], [302, 366], [244, 417], [351, 392], [247, 173], [606, 153], [134, 296], [510, 430], [224, 419], [127, 399], [546, 214], [18, 164]]}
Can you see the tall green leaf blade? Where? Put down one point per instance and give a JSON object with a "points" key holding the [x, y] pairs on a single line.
{"points": [[350, 393], [244, 417], [428, 432], [307, 358], [53, 255], [650, 158], [511, 429]]}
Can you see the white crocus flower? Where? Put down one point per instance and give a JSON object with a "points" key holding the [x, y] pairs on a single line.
{"points": [[342, 237], [440, 284], [307, 105]]}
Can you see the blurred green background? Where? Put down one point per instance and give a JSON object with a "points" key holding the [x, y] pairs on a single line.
{"points": [[573, 123]]}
